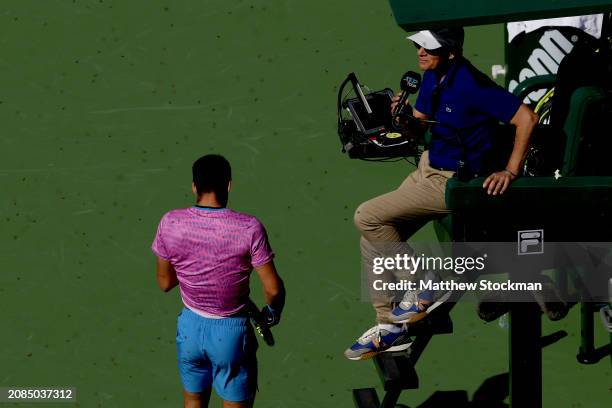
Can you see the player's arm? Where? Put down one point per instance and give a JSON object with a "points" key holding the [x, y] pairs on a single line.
{"points": [[525, 121], [274, 290], [166, 275]]}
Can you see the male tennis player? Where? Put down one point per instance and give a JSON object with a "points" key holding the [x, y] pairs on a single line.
{"points": [[209, 251]]}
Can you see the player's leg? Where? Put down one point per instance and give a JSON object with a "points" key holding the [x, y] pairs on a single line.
{"points": [[244, 404], [231, 346], [194, 367], [196, 399]]}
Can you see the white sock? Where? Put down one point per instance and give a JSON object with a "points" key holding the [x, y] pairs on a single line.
{"points": [[390, 327]]}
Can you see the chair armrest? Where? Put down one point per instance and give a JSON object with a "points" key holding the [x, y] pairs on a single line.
{"points": [[533, 193], [533, 84]]}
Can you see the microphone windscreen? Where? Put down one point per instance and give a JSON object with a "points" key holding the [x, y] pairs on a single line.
{"points": [[411, 82]]}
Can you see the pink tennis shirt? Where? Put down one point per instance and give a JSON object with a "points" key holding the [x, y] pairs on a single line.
{"points": [[213, 252]]}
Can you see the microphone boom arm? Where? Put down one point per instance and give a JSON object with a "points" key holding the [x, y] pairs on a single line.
{"points": [[357, 88]]}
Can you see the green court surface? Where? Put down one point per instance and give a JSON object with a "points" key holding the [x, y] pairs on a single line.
{"points": [[106, 104]]}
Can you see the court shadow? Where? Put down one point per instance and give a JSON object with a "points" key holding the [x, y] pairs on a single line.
{"points": [[455, 399], [491, 394]]}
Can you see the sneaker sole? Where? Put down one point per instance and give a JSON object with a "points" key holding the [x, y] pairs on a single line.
{"points": [[372, 354], [365, 356], [400, 347], [419, 316]]}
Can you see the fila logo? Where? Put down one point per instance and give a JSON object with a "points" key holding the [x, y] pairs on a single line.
{"points": [[531, 242]]}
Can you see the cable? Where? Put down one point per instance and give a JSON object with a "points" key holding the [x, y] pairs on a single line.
{"points": [[385, 159]]}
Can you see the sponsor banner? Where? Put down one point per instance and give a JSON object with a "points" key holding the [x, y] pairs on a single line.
{"points": [[539, 53]]}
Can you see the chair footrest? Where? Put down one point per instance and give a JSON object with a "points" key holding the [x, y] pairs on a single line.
{"points": [[593, 356], [439, 323], [396, 371]]}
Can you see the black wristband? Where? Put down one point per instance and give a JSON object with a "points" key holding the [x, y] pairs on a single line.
{"points": [[511, 173]]}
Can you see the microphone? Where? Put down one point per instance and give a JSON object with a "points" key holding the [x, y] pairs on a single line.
{"points": [[409, 84]]}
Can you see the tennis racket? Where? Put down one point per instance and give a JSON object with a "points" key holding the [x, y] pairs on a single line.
{"points": [[259, 323]]}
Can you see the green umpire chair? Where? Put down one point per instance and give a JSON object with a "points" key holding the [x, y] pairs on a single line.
{"points": [[566, 207], [569, 207]]}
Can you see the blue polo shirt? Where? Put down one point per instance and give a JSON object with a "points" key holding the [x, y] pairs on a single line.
{"points": [[469, 107]]}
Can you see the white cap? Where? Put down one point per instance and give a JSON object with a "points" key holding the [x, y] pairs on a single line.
{"points": [[426, 40]]}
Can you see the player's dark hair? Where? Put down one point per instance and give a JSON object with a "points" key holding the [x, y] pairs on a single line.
{"points": [[212, 173]]}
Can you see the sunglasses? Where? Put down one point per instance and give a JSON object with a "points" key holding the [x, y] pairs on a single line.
{"points": [[436, 53]]}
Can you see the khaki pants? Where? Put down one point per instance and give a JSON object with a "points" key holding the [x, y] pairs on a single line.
{"points": [[395, 216]]}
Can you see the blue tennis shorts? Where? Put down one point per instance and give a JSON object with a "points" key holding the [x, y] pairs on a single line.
{"points": [[217, 352]]}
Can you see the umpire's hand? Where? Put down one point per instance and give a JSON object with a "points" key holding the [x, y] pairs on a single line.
{"points": [[498, 182], [395, 101]]}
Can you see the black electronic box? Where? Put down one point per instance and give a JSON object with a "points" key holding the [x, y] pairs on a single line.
{"points": [[368, 129]]}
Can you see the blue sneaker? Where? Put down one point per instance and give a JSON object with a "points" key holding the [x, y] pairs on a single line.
{"points": [[377, 340], [416, 306]]}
